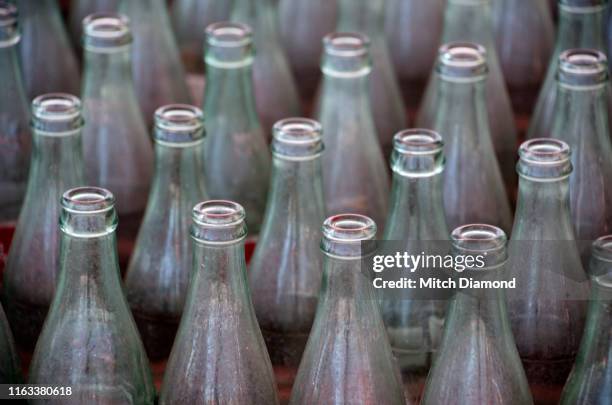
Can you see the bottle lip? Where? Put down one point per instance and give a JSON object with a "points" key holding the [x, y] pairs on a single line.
{"points": [[582, 6], [57, 114], [348, 236], [346, 54], [297, 139], [179, 125], [418, 141], [582, 68], [106, 32], [483, 240], [544, 159], [9, 26], [417, 153], [229, 45], [464, 62], [88, 200], [218, 222]]}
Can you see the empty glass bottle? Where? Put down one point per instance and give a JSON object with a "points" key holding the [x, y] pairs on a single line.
{"points": [[589, 382], [478, 362], [237, 159], [581, 25], [414, 28], [31, 270], [79, 9], [15, 140], [367, 17], [90, 342], [355, 178], [158, 274], [219, 355], [159, 76], [48, 61], [547, 311], [348, 359], [10, 370], [473, 186], [118, 152]]}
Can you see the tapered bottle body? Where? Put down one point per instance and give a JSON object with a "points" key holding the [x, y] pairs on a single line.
{"points": [[348, 359], [236, 157], [89, 341], [10, 370], [79, 9], [351, 143], [477, 338], [219, 355], [158, 275]]}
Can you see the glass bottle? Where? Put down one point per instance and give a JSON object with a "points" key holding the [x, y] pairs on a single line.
{"points": [[581, 25], [524, 36], [48, 61], [159, 76], [158, 275], [236, 157], [303, 24], [348, 359], [367, 17], [355, 178], [117, 146], [79, 9], [10, 370], [414, 29], [589, 381], [581, 120], [478, 362], [473, 186], [219, 355], [417, 219], [547, 312], [285, 270], [15, 137], [470, 20], [90, 342], [276, 94], [57, 165]]}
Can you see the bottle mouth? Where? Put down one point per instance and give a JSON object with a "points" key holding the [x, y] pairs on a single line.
{"points": [[481, 240], [417, 153], [56, 114], [106, 32], [9, 28], [582, 6], [544, 159], [348, 236], [346, 55], [582, 68], [218, 222], [229, 45], [462, 62], [297, 139], [88, 200], [179, 125]]}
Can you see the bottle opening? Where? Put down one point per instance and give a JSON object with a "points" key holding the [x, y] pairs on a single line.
{"points": [[417, 153], [218, 221], [348, 236], [180, 124], [462, 62], [544, 159], [582, 67], [9, 31], [602, 248], [582, 6], [56, 113], [418, 141], [481, 240], [229, 45], [346, 55], [297, 138], [106, 31], [88, 200]]}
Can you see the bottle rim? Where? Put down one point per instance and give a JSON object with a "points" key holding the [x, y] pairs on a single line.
{"points": [[483, 240], [88, 200], [106, 32], [418, 141], [57, 114], [179, 125], [582, 6], [9, 25], [544, 159], [346, 55], [218, 222], [417, 153], [297, 138], [582, 68], [228, 34], [349, 228], [462, 62]]}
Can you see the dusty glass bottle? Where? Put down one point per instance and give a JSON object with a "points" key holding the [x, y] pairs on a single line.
{"points": [[219, 355], [355, 178], [367, 17], [15, 139], [417, 219], [478, 343], [547, 312], [348, 359], [470, 20], [79, 9], [473, 186], [117, 147], [276, 94], [159, 76], [31, 270], [581, 25], [48, 61], [589, 381], [158, 275], [10, 370], [236, 157], [90, 342], [414, 29]]}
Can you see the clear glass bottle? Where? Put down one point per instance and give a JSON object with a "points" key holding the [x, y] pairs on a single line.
{"points": [[473, 186], [581, 25], [118, 151], [79, 9], [414, 29], [367, 17], [90, 341], [471, 21], [159, 75], [581, 119], [355, 178], [158, 275], [276, 94], [547, 312], [14, 121], [285, 270], [348, 359], [236, 157], [48, 61], [417, 219], [219, 355], [10, 370], [524, 36], [30, 274], [589, 381], [478, 362]]}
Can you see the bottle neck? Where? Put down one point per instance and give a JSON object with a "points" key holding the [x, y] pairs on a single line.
{"points": [[469, 22], [11, 82], [363, 16], [344, 281], [178, 172], [40, 8], [574, 105], [261, 15], [230, 90], [296, 184], [581, 30], [348, 92], [104, 69], [462, 104]]}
